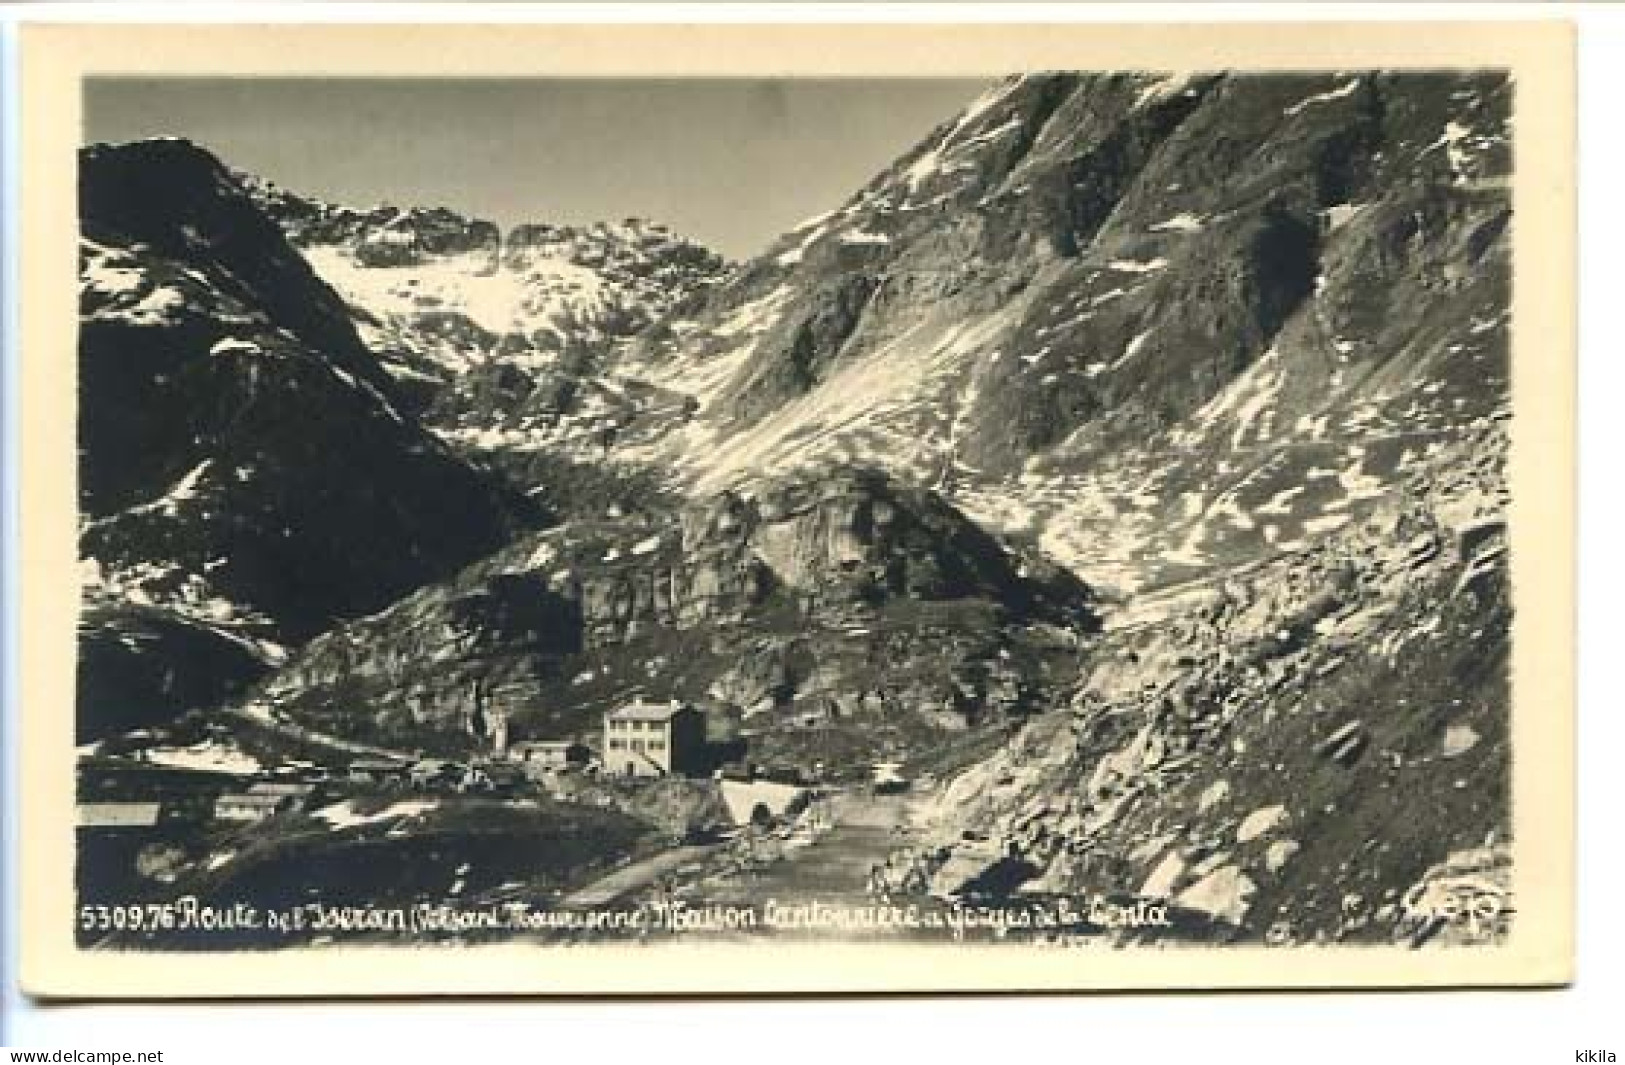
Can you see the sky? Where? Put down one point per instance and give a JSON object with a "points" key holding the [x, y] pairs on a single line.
{"points": [[731, 163]]}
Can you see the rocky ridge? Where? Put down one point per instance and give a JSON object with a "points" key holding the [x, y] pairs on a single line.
{"points": [[503, 339], [851, 600], [248, 473]]}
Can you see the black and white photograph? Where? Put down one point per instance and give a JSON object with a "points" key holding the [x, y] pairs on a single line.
{"points": [[1050, 508]]}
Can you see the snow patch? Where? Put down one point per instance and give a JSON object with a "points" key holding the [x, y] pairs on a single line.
{"points": [[1132, 349], [233, 346], [1132, 266], [1163, 88], [815, 221], [1325, 523], [1184, 222], [1451, 141], [98, 276], [545, 290], [182, 491], [1346, 89], [208, 757], [1225, 894], [1281, 503], [344, 815], [1339, 215], [1260, 822], [755, 316], [1246, 401]]}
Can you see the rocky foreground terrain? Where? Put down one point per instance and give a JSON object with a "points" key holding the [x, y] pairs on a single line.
{"points": [[1140, 438]]}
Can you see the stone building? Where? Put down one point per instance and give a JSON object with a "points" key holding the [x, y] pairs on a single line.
{"points": [[654, 740]]}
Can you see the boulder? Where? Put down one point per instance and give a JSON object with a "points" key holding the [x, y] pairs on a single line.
{"points": [[1260, 822], [1225, 895]]}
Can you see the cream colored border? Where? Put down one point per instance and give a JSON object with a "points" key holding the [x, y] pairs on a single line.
{"points": [[1541, 56]]}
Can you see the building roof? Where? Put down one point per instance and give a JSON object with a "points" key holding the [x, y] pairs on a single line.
{"points": [[106, 814], [378, 763], [280, 787], [252, 798], [641, 711], [545, 745]]}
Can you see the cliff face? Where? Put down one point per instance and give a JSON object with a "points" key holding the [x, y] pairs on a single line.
{"points": [[247, 476], [804, 600]]}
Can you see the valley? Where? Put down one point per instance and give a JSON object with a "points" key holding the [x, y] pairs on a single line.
{"points": [[1105, 502]]}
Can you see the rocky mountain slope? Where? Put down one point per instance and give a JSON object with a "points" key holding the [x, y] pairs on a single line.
{"points": [[1158, 326], [1244, 360], [848, 613], [502, 339], [1235, 348], [1296, 753], [1151, 429], [248, 474]]}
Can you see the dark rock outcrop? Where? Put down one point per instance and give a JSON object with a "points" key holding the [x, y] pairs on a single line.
{"points": [[244, 460], [844, 595]]}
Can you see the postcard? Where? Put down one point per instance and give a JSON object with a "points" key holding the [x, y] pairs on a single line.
{"points": [[574, 509]]}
